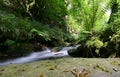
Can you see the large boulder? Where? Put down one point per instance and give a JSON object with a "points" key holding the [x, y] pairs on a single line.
{"points": [[83, 51]]}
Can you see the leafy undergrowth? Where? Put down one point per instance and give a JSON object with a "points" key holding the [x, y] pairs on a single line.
{"points": [[64, 67]]}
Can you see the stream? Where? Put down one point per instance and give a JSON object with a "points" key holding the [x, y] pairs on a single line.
{"points": [[34, 56]]}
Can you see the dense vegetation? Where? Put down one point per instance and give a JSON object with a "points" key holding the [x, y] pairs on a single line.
{"points": [[27, 25]]}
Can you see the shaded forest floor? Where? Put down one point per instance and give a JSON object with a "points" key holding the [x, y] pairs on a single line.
{"points": [[65, 67]]}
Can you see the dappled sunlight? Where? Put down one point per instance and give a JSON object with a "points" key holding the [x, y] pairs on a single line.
{"points": [[59, 38]]}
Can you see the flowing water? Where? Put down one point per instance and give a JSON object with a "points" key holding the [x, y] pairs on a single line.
{"points": [[34, 56]]}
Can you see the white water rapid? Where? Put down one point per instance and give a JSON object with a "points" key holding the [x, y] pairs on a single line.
{"points": [[34, 56]]}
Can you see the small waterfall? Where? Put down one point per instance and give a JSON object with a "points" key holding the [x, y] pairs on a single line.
{"points": [[34, 56]]}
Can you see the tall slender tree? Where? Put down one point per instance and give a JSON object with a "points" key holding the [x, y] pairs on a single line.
{"points": [[114, 10]]}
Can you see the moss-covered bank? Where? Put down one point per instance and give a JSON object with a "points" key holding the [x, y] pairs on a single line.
{"points": [[65, 67]]}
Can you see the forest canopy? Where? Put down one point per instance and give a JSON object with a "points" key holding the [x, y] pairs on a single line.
{"points": [[26, 25]]}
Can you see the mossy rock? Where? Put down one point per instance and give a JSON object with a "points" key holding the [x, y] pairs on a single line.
{"points": [[64, 67], [81, 51]]}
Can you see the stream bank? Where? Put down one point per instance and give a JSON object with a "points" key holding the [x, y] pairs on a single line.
{"points": [[63, 67]]}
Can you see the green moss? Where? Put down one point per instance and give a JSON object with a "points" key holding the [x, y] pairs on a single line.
{"points": [[57, 67], [114, 63]]}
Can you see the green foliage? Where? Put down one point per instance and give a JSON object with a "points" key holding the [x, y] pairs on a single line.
{"points": [[116, 24], [48, 12], [24, 29], [51, 12], [86, 18], [16, 31], [9, 42], [95, 42], [89, 15], [13, 27], [95, 34], [115, 38], [56, 22]]}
